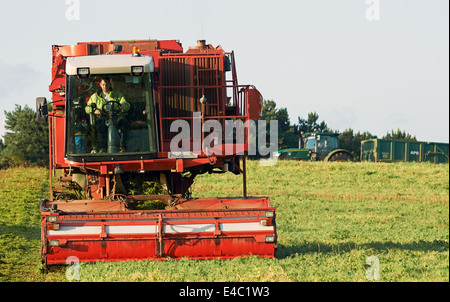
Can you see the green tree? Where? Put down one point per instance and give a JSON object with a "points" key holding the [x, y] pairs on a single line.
{"points": [[26, 141], [400, 135], [311, 123], [287, 133], [352, 142]]}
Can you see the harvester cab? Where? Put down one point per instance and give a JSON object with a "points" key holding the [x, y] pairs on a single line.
{"points": [[324, 146], [119, 123], [121, 169]]}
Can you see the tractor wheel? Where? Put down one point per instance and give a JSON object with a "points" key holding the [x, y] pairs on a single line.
{"points": [[341, 156]]}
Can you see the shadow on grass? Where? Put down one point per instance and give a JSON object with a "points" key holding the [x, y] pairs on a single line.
{"points": [[26, 232], [316, 247]]}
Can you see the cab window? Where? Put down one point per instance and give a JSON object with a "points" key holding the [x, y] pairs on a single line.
{"points": [[117, 120]]}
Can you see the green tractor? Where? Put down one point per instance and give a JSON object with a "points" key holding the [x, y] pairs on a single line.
{"points": [[317, 146]]}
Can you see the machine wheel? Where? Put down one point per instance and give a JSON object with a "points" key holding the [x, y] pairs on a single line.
{"points": [[341, 156]]}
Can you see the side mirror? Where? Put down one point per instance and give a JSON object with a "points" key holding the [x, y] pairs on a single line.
{"points": [[41, 110]]}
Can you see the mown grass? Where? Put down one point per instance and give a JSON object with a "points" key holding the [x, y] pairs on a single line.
{"points": [[20, 192], [330, 218]]}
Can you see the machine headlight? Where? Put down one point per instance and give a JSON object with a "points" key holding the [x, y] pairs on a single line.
{"points": [[270, 238], [83, 72], [137, 70], [54, 242], [269, 214]]}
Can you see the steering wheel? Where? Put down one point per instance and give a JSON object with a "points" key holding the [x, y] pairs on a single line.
{"points": [[109, 107]]}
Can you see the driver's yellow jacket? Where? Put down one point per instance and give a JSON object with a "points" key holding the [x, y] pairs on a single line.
{"points": [[98, 100]]}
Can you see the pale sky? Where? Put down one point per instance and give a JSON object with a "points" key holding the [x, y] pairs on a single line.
{"points": [[369, 65]]}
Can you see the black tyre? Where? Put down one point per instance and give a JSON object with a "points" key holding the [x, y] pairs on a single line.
{"points": [[341, 156]]}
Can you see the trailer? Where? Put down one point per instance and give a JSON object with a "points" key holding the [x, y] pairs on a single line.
{"points": [[385, 150], [128, 116]]}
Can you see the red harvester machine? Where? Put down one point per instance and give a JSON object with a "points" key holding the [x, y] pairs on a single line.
{"points": [[107, 156]]}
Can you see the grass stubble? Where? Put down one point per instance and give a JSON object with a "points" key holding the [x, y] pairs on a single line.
{"points": [[330, 218]]}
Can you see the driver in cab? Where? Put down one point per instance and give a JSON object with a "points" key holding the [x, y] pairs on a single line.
{"points": [[96, 106], [105, 95]]}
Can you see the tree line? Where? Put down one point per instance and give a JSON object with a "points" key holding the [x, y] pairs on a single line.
{"points": [[289, 133], [25, 142]]}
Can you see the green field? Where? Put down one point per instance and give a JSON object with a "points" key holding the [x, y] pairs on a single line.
{"points": [[330, 218]]}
